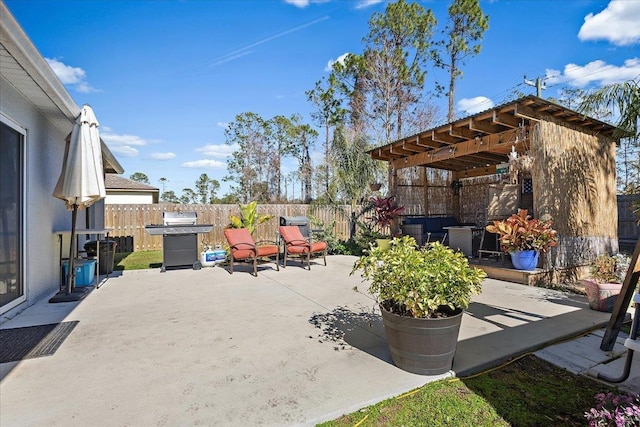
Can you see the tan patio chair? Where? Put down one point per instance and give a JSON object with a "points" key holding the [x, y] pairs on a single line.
{"points": [[296, 244], [243, 248]]}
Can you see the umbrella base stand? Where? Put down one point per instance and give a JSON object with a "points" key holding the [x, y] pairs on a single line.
{"points": [[78, 294]]}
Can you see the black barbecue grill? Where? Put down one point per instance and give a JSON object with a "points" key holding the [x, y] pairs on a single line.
{"points": [[179, 232]]}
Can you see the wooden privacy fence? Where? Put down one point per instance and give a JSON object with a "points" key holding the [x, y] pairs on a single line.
{"points": [[127, 222], [628, 229]]}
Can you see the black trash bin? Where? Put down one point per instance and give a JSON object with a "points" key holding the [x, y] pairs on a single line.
{"points": [[107, 252]]}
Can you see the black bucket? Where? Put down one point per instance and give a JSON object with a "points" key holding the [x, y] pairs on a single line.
{"points": [[422, 346]]}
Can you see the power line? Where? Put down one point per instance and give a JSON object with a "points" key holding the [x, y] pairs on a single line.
{"points": [[538, 84]]}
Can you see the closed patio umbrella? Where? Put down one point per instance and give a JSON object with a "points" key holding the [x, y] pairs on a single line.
{"points": [[81, 181]]}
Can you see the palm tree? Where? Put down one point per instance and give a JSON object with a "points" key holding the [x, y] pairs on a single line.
{"points": [[623, 98], [354, 170]]}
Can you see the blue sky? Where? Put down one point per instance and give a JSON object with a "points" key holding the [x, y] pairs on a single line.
{"points": [[165, 77]]}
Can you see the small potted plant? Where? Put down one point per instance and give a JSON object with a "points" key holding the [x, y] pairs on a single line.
{"points": [[385, 211], [605, 282], [524, 238], [421, 292]]}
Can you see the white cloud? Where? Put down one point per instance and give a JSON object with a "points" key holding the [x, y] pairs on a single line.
{"points": [[123, 145], [67, 74], [85, 88], [304, 3], [298, 3], [594, 72], [73, 76], [475, 105], [619, 24], [113, 139], [125, 151], [222, 125], [163, 156], [205, 164], [217, 150], [331, 62], [363, 4]]}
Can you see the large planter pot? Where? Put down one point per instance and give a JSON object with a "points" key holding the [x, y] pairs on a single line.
{"points": [[422, 346], [525, 260], [601, 296]]}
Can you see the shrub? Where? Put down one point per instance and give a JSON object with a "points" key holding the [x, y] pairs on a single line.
{"points": [[420, 282], [607, 268], [520, 232]]}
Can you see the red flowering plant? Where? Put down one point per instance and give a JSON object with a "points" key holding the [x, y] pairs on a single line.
{"points": [[520, 232], [384, 211]]}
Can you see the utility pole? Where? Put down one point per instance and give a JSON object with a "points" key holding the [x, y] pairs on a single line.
{"points": [[538, 84]]}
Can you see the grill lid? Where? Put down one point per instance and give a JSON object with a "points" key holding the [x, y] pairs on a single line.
{"points": [[179, 218]]}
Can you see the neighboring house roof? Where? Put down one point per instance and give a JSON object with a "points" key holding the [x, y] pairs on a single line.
{"points": [[118, 182], [25, 68]]}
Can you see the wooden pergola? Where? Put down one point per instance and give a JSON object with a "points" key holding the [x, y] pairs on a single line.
{"points": [[474, 145], [571, 175]]}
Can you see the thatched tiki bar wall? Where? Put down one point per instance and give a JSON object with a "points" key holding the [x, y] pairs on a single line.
{"points": [[565, 171], [574, 185]]}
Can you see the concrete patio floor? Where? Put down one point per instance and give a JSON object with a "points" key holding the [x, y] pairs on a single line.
{"points": [[290, 347]]}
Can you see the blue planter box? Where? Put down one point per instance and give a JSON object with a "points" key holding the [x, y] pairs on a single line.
{"points": [[85, 271]]}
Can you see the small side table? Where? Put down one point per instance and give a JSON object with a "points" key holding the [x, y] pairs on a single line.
{"points": [[461, 237]]}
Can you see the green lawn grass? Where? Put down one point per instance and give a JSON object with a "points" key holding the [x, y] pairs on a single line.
{"points": [[527, 392], [137, 260]]}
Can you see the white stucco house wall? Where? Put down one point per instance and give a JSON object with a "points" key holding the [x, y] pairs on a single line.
{"points": [[122, 191], [36, 115]]}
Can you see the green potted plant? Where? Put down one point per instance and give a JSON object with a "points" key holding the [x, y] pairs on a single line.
{"points": [[385, 211], [421, 292], [605, 282], [524, 238], [249, 217]]}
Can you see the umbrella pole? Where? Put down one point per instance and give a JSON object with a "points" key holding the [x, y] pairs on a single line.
{"points": [[71, 277]]}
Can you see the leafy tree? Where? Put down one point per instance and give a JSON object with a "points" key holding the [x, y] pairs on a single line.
{"points": [[163, 181], [304, 138], [206, 189], [169, 197], [229, 199], [397, 49], [283, 133], [328, 114], [188, 196], [572, 98], [355, 170], [250, 166], [465, 29], [623, 99], [139, 177], [348, 84]]}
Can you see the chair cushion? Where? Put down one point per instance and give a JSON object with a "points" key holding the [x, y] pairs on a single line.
{"points": [[414, 220], [267, 250], [300, 249], [318, 246], [292, 234], [243, 253], [448, 221], [241, 243], [432, 225]]}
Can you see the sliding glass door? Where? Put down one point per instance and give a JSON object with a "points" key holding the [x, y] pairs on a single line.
{"points": [[11, 215]]}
